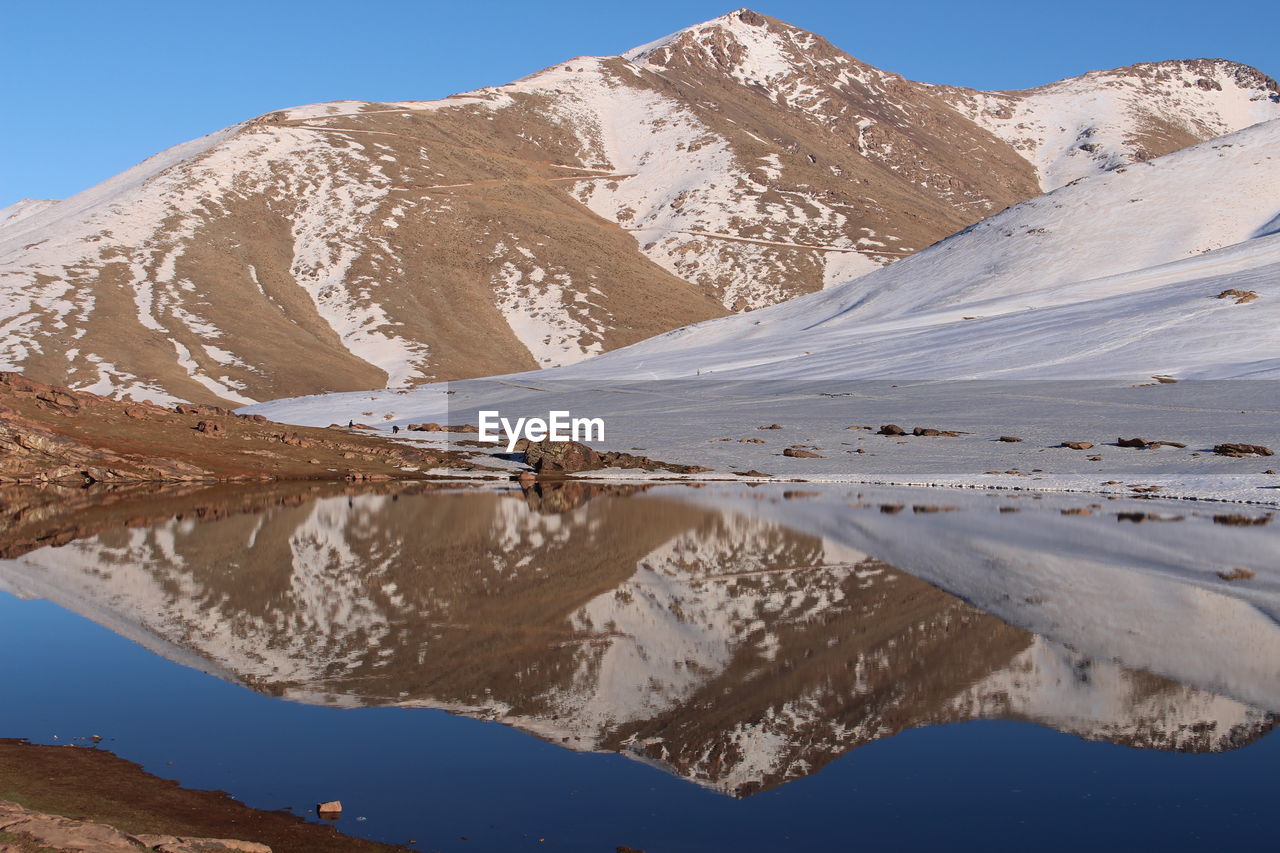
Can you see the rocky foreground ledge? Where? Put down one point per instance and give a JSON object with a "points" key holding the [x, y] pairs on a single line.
{"points": [[73, 798], [32, 830], [53, 434]]}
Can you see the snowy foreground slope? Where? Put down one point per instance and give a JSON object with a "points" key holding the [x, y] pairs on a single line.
{"points": [[588, 206], [1046, 322]]}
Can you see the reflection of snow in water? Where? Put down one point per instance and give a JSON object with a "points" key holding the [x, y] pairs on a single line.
{"points": [[745, 578]]}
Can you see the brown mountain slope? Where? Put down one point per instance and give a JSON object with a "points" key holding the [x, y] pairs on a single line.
{"points": [[733, 165]]}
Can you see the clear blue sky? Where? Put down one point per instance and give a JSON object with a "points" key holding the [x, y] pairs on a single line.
{"points": [[90, 88]]}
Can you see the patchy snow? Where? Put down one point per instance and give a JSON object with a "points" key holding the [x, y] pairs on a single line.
{"points": [[1094, 280], [1080, 284], [544, 310], [1077, 127]]}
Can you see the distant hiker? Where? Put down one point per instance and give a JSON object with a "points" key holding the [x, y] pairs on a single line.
{"points": [[394, 430], [351, 424]]}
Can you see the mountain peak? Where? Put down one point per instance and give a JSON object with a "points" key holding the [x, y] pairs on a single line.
{"points": [[741, 26]]}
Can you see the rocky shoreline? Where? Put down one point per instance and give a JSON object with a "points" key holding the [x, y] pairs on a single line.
{"points": [[51, 434], [71, 798]]}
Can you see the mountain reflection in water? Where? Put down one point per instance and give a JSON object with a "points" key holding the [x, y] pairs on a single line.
{"points": [[737, 637]]}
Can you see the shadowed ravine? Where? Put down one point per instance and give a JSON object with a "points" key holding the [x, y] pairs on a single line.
{"points": [[740, 638]]}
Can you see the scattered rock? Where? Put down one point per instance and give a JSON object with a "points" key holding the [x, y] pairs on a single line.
{"points": [[568, 457], [55, 833], [1238, 520], [188, 409], [751, 440], [333, 807], [1238, 450], [891, 429], [1008, 438], [1236, 575], [209, 428], [425, 428], [211, 845], [1240, 296], [293, 439], [771, 426], [752, 473], [561, 457], [1077, 445], [800, 453], [1143, 444]]}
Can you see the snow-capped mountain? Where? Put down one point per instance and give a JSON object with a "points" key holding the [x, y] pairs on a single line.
{"points": [[738, 639], [1168, 267], [730, 166]]}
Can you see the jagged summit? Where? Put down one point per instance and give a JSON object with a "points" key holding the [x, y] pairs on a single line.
{"points": [[741, 25], [753, 49]]}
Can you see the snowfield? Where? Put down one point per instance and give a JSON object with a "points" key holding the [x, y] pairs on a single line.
{"points": [[1091, 313]]}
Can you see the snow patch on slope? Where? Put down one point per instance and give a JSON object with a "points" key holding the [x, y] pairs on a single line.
{"points": [[1076, 127]]}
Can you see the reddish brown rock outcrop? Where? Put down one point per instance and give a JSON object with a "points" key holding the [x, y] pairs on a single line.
{"points": [[548, 457], [53, 434]]}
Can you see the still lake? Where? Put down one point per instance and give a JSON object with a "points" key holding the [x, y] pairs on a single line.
{"points": [[671, 668]]}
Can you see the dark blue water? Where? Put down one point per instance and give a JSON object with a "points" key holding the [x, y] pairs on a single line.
{"points": [[503, 593], [428, 777]]}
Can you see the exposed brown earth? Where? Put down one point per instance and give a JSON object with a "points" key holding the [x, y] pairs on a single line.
{"points": [[127, 808], [53, 434]]}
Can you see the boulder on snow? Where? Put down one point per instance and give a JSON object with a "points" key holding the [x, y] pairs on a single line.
{"points": [[1241, 450], [560, 457]]}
